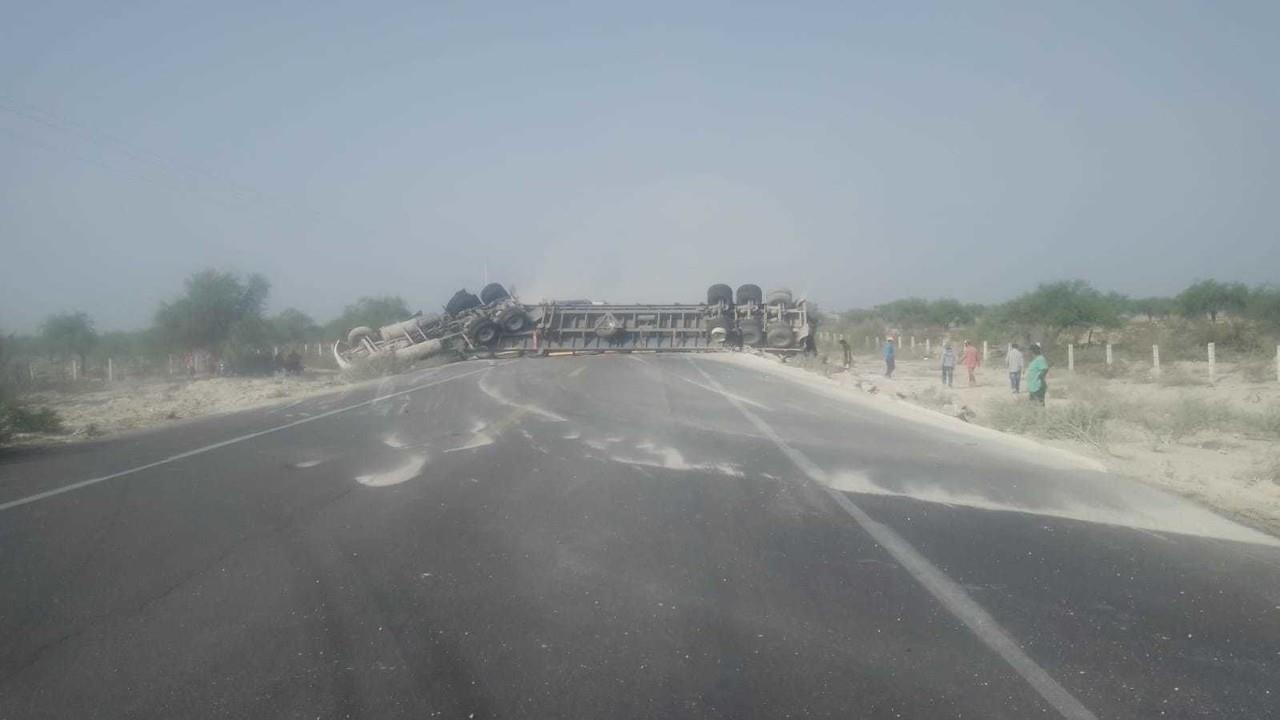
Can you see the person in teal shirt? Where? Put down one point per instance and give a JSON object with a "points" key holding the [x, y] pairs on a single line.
{"points": [[1037, 386]]}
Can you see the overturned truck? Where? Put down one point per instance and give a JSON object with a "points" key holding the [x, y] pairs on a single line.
{"points": [[496, 323]]}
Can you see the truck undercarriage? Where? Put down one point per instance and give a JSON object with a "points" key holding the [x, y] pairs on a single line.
{"points": [[496, 323]]}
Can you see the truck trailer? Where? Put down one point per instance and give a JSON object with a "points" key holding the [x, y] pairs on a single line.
{"points": [[495, 323]]}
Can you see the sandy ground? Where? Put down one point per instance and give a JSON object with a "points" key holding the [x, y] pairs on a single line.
{"points": [[135, 404], [1230, 471]]}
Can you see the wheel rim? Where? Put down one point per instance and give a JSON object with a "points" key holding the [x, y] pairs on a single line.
{"points": [[514, 323]]}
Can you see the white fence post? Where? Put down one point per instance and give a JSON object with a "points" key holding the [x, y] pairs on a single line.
{"points": [[1108, 355], [1071, 357], [75, 370], [927, 345], [111, 371], [913, 342], [1155, 359], [1212, 361], [1278, 363], [984, 352]]}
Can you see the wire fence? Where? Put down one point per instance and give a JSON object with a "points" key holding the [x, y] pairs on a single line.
{"points": [[1209, 361], [43, 372]]}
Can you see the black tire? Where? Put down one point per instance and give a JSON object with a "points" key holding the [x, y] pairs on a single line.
{"points": [[781, 296], [513, 320], [751, 333], [780, 336], [748, 294], [461, 302], [492, 293], [719, 293], [483, 332]]}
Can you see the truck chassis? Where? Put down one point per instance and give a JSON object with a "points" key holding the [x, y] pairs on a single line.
{"points": [[495, 323]]}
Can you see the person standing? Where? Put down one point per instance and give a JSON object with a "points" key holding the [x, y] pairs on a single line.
{"points": [[948, 364], [888, 357], [848, 354], [1037, 386], [970, 361], [1014, 362]]}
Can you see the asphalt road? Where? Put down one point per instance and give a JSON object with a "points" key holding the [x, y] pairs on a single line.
{"points": [[613, 537]]}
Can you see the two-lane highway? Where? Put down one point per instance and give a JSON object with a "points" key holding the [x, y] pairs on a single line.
{"points": [[614, 536]]}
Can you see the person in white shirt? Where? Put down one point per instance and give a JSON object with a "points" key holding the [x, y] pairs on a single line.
{"points": [[1014, 360]]}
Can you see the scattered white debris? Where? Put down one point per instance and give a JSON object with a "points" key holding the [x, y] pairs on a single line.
{"points": [[404, 473]]}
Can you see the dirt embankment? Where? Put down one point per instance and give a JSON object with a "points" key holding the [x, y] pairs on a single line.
{"points": [[1218, 444]]}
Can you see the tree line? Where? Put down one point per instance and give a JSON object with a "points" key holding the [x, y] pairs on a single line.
{"points": [[1075, 307], [218, 312]]}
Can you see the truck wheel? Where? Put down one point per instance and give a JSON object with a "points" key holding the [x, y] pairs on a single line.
{"points": [[492, 293], [461, 302], [748, 294], [513, 320], [719, 293], [780, 336], [751, 332], [483, 331], [781, 296]]}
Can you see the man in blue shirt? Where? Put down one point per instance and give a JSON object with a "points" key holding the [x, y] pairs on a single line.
{"points": [[888, 357]]}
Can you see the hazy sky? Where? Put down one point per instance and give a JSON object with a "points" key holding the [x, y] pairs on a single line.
{"points": [[854, 152]]}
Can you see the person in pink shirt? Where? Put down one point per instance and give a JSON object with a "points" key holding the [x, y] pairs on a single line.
{"points": [[971, 362]]}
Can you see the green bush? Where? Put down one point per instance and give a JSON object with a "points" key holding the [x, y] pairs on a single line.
{"points": [[15, 418], [39, 420]]}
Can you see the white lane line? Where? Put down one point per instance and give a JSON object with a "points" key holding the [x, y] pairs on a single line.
{"points": [[198, 451], [947, 591]]}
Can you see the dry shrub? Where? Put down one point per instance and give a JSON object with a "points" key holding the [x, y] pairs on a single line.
{"points": [[1186, 416], [1269, 469], [817, 362], [1177, 377], [1269, 422], [935, 397], [1084, 420], [1258, 370]]}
